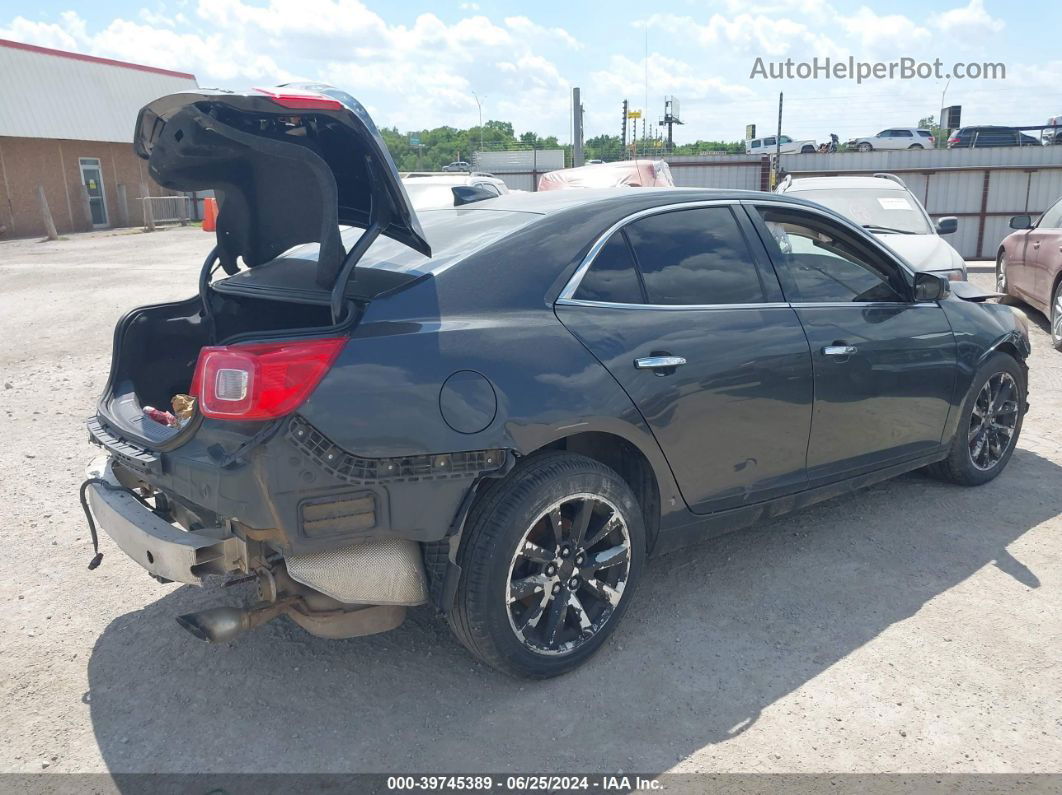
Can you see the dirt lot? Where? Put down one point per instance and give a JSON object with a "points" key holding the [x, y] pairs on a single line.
{"points": [[912, 627]]}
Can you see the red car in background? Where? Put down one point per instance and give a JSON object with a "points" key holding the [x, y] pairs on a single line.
{"points": [[1029, 265]]}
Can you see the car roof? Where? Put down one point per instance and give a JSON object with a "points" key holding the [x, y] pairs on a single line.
{"points": [[555, 201], [858, 183]]}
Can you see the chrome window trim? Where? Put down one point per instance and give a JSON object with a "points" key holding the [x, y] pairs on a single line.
{"points": [[667, 307], [766, 305], [568, 293], [861, 305]]}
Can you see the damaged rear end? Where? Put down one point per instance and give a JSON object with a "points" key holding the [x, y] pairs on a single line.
{"points": [[207, 467]]}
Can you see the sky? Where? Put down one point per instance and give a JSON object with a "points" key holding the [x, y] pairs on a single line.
{"points": [[417, 65]]}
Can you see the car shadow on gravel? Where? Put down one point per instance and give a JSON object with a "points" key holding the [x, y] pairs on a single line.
{"points": [[717, 633]]}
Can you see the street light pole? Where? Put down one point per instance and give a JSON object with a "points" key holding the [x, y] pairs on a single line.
{"points": [[479, 107]]}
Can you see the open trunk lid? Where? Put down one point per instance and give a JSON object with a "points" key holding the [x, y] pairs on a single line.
{"points": [[288, 166]]}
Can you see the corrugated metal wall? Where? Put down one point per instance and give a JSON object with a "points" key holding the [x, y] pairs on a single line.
{"points": [[45, 94], [983, 187]]}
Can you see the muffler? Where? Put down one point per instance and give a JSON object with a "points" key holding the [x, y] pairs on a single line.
{"points": [[222, 624]]}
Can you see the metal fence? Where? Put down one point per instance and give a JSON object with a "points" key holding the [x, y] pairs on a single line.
{"points": [[519, 168], [167, 209], [983, 187]]}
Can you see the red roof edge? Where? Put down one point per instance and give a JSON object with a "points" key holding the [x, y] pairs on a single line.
{"points": [[18, 45]]}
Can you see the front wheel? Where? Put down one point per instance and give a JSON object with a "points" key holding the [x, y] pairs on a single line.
{"points": [[1056, 317], [550, 559], [1001, 273], [864, 147], [989, 424]]}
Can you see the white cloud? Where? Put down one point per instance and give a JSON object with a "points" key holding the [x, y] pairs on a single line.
{"points": [[969, 19], [523, 26], [746, 33], [890, 34], [420, 74], [66, 35]]}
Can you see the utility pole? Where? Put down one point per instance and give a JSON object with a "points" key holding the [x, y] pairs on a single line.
{"points": [[778, 146], [623, 127], [671, 118], [577, 129]]}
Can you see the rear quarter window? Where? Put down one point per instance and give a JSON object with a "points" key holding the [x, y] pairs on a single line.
{"points": [[612, 276]]}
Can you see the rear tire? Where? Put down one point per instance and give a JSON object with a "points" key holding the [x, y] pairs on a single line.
{"points": [[989, 424], [536, 597], [807, 150], [916, 146]]}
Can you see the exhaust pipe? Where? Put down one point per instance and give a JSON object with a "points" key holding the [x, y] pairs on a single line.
{"points": [[222, 624]]}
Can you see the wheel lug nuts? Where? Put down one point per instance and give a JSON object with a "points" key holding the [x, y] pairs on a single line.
{"points": [[573, 583], [579, 559], [557, 588], [551, 570]]}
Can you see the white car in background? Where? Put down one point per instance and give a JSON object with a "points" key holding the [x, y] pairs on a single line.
{"points": [[896, 138], [433, 191], [769, 145], [883, 205]]}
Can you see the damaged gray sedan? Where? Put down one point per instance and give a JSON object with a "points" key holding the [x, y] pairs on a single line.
{"points": [[501, 409]]}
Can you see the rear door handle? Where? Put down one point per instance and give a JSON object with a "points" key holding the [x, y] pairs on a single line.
{"points": [[659, 362], [839, 350]]}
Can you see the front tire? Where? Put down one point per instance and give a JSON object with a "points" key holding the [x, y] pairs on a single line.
{"points": [[989, 424], [550, 559], [1001, 273], [864, 147], [1056, 317]]}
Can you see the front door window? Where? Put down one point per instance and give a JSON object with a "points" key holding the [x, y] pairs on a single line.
{"points": [[92, 179]]}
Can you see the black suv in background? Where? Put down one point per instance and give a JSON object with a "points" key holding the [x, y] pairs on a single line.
{"points": [[980, 137]]}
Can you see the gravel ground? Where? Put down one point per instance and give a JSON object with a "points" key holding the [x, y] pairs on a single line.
{"points": [[913, 627]]}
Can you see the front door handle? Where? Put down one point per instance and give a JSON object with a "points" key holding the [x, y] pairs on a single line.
{"points": [[659, 362], [1036, 244], [839, 350]]}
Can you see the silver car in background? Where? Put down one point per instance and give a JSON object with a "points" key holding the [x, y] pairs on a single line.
{"points": [[885, 207]]}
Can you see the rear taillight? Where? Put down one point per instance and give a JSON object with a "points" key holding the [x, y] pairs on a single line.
{"points": [[261, 381]]}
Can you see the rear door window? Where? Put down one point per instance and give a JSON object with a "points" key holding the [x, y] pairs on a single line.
{"points": [[695, 257]]}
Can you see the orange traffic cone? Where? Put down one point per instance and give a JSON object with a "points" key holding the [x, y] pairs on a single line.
{"points": [[210, 214]]}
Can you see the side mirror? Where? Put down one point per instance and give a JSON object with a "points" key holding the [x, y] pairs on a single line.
{"points": [[930, 287], [947, 225], [1021, 222]]}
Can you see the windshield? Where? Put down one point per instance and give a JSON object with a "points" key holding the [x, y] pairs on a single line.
{"points": [[878, 210]]}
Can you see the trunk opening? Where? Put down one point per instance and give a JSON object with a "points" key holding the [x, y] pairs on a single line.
{"points": [[156, 349]]}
